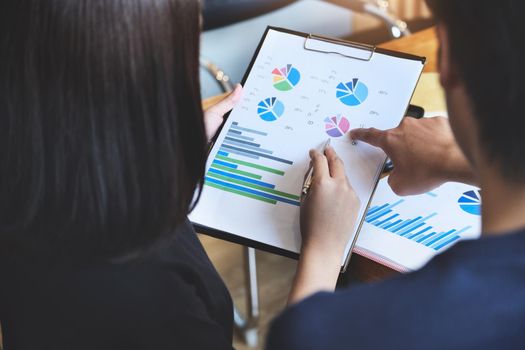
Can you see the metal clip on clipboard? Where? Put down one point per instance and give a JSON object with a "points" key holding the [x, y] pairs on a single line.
{"points": [[362, 52]]}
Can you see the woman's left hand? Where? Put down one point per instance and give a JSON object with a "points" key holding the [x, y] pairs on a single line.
{"points": [[214, 116]]}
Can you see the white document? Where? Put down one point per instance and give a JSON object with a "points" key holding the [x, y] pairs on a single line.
{"points": [[404, 233], [294, 100]]}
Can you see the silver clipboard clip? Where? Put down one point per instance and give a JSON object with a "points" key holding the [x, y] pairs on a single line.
{"points": [[317, 43]]}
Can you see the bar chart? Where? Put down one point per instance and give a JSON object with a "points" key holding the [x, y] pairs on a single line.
{"points": [[416, 229], [238, 168]]}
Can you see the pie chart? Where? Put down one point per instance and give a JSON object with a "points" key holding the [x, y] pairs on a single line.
{"points": [[470, 202], [270, 109], [286, 78], [336, 126], [352, 93]]}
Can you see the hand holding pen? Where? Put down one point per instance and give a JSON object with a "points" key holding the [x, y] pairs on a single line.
{"points": [[310, 173], [328, 218]]}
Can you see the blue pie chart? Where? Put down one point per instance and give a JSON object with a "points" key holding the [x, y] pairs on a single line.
{"points": [[352, 93], [470, 202], [270, 109]]}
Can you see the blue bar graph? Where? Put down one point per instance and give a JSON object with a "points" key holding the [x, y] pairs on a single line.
{"points": [[415, 225], [252, 191], [388, 225], [236, 127], [379, 223], [438, 237], [238, 135], [418, 233], [446, 243], [415, 229], [408, 222], [373, 210], [420, 236], [382, 212], [244, 142], [246, 150], [242, 178], [226, 164], [240, 153], [239, 170]]}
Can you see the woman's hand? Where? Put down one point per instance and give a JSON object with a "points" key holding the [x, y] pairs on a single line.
{"points": [[214, 116], [329, 210], [328, 215], [424, 152]]}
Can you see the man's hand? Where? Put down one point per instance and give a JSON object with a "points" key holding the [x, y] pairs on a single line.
{"points": [[214, 116], [328, 215], [424, 152]]}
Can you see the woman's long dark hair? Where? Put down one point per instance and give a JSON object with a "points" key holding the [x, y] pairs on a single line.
{"points": [[102, 140]]}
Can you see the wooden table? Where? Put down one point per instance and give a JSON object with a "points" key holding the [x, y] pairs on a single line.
{"points": [[423, 43]]}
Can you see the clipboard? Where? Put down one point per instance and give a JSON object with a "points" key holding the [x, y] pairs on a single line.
{"points": [[321, 45]]}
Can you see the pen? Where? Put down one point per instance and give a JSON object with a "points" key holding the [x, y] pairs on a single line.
{"points": [[309, 174]]}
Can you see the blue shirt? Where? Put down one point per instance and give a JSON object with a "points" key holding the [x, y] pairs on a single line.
{"points": [[471, 297]]}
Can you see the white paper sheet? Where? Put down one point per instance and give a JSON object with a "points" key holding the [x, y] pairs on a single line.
{"points": [[291, 98], [428, 224]]}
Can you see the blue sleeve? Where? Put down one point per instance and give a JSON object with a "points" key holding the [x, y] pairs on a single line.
{"points": [[450, 304], [299, 328]]}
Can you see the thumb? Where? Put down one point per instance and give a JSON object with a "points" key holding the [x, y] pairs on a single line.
{"points": [[226, 104], [373, 136]]}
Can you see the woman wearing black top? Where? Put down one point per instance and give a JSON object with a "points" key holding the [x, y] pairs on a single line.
{"points": [[102, 145], [102, 151]]}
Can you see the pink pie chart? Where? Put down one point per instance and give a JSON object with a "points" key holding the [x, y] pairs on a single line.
{"points": [[336, 126]]}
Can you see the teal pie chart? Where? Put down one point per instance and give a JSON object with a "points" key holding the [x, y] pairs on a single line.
{"points": [[270, 109], [470, 202], [352, 93]]}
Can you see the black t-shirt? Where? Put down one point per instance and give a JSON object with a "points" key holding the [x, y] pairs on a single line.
{"points": [[169, 298], [471, 297]]}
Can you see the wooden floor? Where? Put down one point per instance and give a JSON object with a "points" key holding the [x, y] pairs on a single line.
{"points": [[275, 275]]}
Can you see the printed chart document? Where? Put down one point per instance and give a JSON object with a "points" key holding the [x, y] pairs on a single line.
{"points": [[299, 91], [404, 233]]}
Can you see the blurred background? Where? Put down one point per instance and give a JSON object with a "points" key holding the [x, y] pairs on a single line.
{"points": [[232, 28]]}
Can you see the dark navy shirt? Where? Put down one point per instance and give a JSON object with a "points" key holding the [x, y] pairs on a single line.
{"points": [[471, 297]]}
